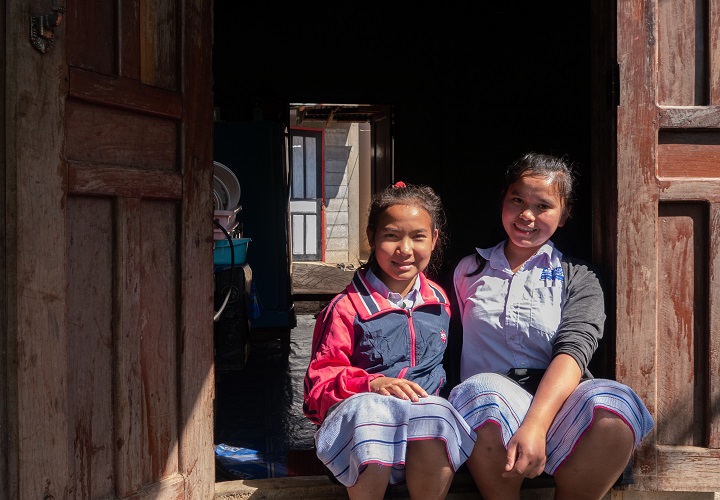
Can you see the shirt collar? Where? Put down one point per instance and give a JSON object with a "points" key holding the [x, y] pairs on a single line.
{"points": [[412, 298], [496, 255]]}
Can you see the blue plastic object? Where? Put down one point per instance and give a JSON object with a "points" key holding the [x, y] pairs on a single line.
{"points": [[221, 254]]}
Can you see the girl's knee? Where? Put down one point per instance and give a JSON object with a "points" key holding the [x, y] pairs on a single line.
{"points": [[434, 449], [489, 432], [612, 431], [610, 422]]}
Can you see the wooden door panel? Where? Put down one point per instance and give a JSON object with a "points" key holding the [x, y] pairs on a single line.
{"points": [[123, 371], [139, 40], [109, 136], [123, 342], [92, 43], [116, 143], [682, 328], [676, 53], [713, 44], [668, 167], [90, 345], [159, 30], [713, 323], [688, 154], [126, 412], [112, 383]]}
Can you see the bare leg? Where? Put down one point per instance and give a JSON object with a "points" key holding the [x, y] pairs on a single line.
{"points": [[597, 461], [428, 473], [487, 463], [371, 483]]}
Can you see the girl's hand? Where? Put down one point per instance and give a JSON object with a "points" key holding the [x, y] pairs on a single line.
{"points": [[398, 387], [526, 449], [526, 453]]}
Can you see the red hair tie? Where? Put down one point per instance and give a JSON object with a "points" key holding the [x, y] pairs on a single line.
{"points": [[399, 184]]}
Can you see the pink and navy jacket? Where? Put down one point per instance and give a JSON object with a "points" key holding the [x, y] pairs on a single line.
{"points": [[360, 336]]}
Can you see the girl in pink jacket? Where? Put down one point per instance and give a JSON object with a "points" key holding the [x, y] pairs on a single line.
{"points": [[376, 365]]}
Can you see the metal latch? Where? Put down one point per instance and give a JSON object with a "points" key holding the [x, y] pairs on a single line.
{"points": [[42, 28]]}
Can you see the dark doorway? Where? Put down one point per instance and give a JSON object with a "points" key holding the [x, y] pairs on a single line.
{"points": [[470, 93]]}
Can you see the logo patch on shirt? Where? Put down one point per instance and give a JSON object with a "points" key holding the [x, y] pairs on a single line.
{"points": [[443, 336], [552, 274]]}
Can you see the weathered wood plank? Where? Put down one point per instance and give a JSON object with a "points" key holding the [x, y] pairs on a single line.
{"points": [[124, 93], [713, 357], [690, 189], [92, 43], [111, 136], [159, 332], [688, 469], [129, 58], [688, 117], [676, 53], [90, 345], [713, 51], [170, 488], [131, 461], [636, 308], [37, 342], [197, 383], [103, 180], [158, 47], [689, 154], [680, 410]]}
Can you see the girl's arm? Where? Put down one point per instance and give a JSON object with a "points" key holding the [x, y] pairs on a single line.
{"points": [[583, 316], [330, 376], [526, 449], [577, 338]]}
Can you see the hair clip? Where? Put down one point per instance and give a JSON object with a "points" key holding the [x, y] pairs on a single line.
{"points": [[399, 184]]}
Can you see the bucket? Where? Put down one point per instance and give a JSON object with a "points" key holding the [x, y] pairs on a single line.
{"points": [[221, 252]]}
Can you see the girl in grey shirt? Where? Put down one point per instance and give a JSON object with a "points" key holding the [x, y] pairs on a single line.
{"points": [[531, 321]]}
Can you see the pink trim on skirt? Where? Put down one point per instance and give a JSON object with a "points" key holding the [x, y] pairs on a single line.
{"points": [[491, 397], [369, 428]]}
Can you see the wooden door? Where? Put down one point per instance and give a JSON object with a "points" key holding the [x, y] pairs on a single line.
{"points": [[667, 227], [109, 257]]}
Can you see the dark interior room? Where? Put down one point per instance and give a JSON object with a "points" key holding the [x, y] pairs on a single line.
{"points": [[471, 90]]}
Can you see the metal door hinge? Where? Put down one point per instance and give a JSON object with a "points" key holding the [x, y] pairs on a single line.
{"points": [[42, 28]]}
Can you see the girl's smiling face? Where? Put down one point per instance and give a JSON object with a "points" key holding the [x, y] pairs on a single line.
{"points": [[531, 212], [403, 244]]}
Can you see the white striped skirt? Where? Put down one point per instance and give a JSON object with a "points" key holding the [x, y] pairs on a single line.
{"points": [[369, 428], [491, 397]]}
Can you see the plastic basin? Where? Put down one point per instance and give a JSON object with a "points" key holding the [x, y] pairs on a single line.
{"points": [[221, 253]]}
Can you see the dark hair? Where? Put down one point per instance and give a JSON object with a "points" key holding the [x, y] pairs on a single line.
{"points": [[544, 165], [409, 194]]}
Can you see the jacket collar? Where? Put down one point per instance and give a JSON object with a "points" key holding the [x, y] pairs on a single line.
{"points": [[368, 302]]}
